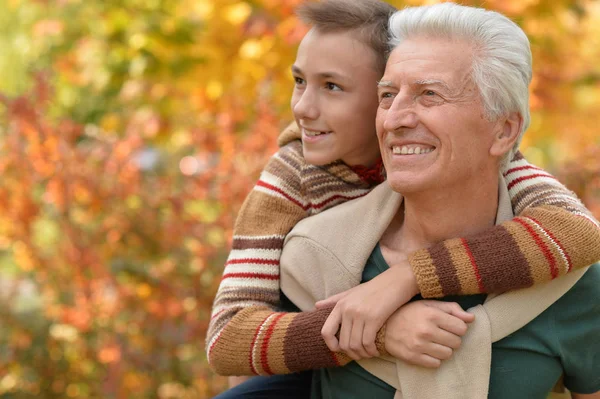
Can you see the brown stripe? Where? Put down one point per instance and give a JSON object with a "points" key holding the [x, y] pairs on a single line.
{"points": [[304, 347], [464, 269], [442, 261], [502, 266], [257, 243], [538, 194], [275, 351], [424, 270], [239, 294], [277, 215]]}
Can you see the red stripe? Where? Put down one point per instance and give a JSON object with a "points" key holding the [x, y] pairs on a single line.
{"points": [[280, 191], [521, 168], [569, 264], [307, 207], [547, 253], [217, 314], [254, 342], [474, 264], [253, 261], [523, 178], [335, 360], [263, 276], [337, 196], [265, 345]]}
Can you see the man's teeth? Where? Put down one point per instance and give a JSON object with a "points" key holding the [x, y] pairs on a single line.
{"points": [[406, 150], [313, 133]]}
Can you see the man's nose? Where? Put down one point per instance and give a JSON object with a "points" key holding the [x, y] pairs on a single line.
{"points": [[402, 114], [307, 106]]}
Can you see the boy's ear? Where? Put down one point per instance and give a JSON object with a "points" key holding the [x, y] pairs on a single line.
{"points": [[507, 134]]}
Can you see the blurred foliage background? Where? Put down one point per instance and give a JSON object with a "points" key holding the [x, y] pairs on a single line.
{"points": [[130, 132]]}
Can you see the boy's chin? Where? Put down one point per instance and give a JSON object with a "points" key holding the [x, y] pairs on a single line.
{"points": [[318, 158]]}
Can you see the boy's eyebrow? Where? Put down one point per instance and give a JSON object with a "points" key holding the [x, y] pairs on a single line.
{"points": [[322, 75]]}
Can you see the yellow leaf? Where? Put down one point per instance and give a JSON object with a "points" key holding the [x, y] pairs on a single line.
{"points": [[238, 13]]}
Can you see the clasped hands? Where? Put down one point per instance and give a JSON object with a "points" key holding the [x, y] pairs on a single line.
{"points": [[422, 333]]}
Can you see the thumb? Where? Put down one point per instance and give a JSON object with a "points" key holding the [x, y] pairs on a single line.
{"points": [[454, 309], [332, 300]]}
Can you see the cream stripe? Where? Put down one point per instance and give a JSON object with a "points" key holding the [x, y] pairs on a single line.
{"points": [[532, 182], [276, 181], [247, 237], [252, 268], [554, 243], [257, 343], [526, 172], [266, 284], [266, 254], [516, 164]]}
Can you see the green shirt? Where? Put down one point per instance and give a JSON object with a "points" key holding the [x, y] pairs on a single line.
{"points": [[525, 365]]}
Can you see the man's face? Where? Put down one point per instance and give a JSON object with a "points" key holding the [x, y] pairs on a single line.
{"points": [[430, 122], [335, 99]]}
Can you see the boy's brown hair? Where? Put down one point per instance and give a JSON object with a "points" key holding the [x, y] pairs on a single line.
{"points": [[368, 18]]}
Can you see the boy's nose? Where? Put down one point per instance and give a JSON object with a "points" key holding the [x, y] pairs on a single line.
{"points": [[307, 106]]}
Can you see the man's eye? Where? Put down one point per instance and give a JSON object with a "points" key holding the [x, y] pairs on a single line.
{"points": [[332, 86], [429, 93], [385, 96]]}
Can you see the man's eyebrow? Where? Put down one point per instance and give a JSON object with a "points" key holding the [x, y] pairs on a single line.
{"points": [[423, 82], [384, 83]]}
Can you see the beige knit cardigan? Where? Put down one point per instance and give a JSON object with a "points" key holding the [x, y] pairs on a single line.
{"points": [[325, 254]]}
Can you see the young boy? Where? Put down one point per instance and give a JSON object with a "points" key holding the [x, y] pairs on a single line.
{"points": [[334, 103]]}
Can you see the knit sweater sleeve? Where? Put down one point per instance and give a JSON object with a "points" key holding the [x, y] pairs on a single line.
{"points": [[552, 234], [247, 335]]}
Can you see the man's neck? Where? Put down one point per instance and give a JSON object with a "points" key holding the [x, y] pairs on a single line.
{"points": [[437, 215]]}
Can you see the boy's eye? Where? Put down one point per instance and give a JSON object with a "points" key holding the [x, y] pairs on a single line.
{"points": [[332, 86], [299, 81]]}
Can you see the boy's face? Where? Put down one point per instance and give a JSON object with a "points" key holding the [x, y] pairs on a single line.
{"points": [[335, 98]]}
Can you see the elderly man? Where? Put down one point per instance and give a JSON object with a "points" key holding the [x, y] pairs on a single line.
{"points": [[453, 107]]}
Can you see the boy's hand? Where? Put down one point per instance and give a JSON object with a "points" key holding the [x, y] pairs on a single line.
{"points": [[426, 332], [361, 311]]}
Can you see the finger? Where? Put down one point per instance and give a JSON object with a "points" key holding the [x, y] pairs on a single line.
{"points": [[454, 309], [451, 324], [425, 360], [332, 300], [330, 329], [345, 335], [437, 351], [356, 339], [447, 339], [369, 336]]}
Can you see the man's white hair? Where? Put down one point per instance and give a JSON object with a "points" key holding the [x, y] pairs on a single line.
{"points": [[501, 66]]}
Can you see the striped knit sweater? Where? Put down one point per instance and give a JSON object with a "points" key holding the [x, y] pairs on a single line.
{"points": [[553, 234]]}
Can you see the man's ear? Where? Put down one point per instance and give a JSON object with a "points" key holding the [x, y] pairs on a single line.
{"points": [[507, 134]]}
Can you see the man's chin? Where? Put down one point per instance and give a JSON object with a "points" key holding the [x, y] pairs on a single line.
{"points": [[407, 183]]}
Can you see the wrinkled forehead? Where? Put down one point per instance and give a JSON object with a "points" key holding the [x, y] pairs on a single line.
{"points": [[428, 59]]}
